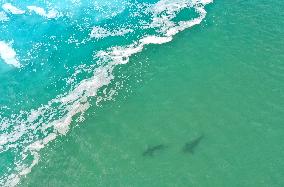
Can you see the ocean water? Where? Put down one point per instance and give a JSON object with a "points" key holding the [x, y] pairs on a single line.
{"points": [[141, 93]]}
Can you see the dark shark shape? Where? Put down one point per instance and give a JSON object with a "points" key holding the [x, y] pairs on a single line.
{"points": [[150, 151], [189, 147]]}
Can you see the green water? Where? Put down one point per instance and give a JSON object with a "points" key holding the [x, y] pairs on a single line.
{"points": [[222, 78]]}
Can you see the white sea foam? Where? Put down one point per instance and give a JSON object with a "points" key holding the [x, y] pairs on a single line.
{"points": [[51, 14], [8, 54], [99, 32], [3, 16], [9, 8], [54, 118]]}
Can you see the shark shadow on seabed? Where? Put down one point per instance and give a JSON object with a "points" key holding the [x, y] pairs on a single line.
{"points": [[150, 151], [190, 146]]}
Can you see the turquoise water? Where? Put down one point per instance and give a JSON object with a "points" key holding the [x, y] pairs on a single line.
{"points": [[74, 116]]}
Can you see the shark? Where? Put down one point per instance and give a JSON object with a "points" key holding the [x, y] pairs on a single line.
{"points": [[189, 147], [150, 151]]}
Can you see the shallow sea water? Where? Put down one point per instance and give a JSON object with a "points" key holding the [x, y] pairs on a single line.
{"points": [[222, 79]]}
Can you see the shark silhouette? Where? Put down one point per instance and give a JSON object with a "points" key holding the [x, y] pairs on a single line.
{"points": [[150, 151], [189, 147]]}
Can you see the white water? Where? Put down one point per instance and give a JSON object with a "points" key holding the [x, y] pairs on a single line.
{"points": [[9, 8], [8, 54], [40, 11], [3, 16], [99, 32]]}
